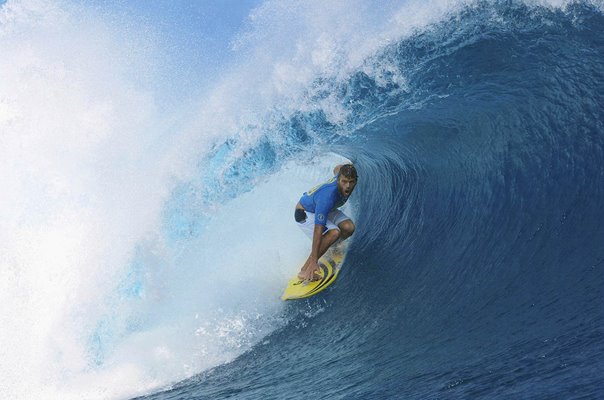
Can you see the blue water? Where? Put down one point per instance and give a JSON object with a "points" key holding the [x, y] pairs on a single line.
{"points": [[477, 267]]}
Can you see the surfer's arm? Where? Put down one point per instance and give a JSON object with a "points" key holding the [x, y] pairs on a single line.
{"points": [[316, 242], [324, 203]]}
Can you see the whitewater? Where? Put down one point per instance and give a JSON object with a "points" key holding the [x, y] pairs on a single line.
{"points": [[149, 177]]}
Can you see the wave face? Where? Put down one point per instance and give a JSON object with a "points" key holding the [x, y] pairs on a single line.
{"points": [[477, 268], [145, 243]]}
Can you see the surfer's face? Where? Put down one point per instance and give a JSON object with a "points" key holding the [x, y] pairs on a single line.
{"points": [[346, 185]]}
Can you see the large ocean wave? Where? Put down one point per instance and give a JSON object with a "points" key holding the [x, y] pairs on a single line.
{"points": [[144, 244]]}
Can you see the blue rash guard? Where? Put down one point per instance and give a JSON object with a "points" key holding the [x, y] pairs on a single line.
{"points": [[322, 199]]}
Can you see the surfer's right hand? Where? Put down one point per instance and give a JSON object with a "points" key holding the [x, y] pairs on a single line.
{"points": [[310, 271]]}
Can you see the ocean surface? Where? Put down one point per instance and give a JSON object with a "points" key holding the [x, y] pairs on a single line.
{"points": [[147, 245]]}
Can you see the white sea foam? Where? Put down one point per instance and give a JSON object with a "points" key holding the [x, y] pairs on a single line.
{"points": [[83, 179]]}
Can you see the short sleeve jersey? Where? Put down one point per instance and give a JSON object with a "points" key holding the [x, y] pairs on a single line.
{"points": [[322, 199]]}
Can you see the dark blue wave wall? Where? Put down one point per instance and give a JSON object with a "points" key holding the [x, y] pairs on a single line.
{"points": [[477, 269]]}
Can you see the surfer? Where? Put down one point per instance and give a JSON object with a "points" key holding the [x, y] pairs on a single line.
{"points": [[318, 215]]}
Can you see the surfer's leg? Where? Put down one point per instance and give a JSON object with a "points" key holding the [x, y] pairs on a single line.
{"points": [[331, 235], [343, 222], [329, 238], [347, 228]]}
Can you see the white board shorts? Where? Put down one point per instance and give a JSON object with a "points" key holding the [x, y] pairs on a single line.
{"points": [[334, 219]]}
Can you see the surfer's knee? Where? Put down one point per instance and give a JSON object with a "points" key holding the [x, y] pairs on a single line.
{"points": [[335, 233], [347, 228]]}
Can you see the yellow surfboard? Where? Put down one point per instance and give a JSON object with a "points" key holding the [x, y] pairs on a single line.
{"points": [[329, 267]]}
